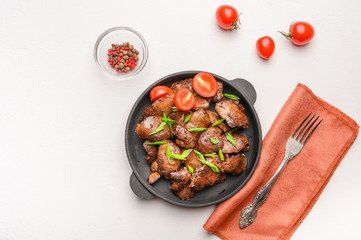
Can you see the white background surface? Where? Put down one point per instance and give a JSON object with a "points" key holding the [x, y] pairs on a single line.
{"points": [[63, 168]]}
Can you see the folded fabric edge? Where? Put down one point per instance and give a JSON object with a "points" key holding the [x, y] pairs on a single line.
{"points": [[287, 233], [337, 112]]}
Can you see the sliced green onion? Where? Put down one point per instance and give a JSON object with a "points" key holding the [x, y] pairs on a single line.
{"points": [[187, 118], [171, 130], [167, 119], [230, 139], [200, 155], [220, 153], [169, 122], [186, 152], [212, 155], [160, 128], [212, 166], [231, 96], [156, 143], [202, 160], [218, 122], [174, 109], [178, 157], [195, 94], [191, 170], [235, 129], [197, 129], [214, 141], [168, 152]]}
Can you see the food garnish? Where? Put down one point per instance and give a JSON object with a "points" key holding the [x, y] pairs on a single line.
{"points": [[185, 153], [160, 128], [205, 84], [202, 160], [200, 155], [231, 96], [168, 153], [220, 154], [212, 155], [234, 129], [214, 141], [158, 92], [184, 100], [197, 129], [213, 167], [167, 119], [156, 143], [191, 170], [218, 122], [178, 157], [230, 139], [169, 122], [187, 118]]}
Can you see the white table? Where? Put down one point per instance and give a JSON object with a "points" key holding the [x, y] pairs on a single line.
{"points": [[64, 173]]}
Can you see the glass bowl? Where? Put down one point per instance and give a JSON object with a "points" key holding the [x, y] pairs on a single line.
{"points": [[120, 35]]}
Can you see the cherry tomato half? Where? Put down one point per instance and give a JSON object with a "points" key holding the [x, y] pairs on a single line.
{"points": [[184, 99], [300, 33], [265, 47], [205, 84], [158, 92], [227, 17]]}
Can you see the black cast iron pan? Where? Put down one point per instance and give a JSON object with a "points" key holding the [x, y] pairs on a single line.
{"points": [[209, 196]]}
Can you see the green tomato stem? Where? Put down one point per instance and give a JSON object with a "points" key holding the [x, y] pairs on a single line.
{"points": [[286, 35]]}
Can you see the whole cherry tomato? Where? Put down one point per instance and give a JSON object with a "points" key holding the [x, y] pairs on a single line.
{"points": [[184, 99], [265, 47], [205, 84], [300, 33], [158, 92], [227, 17]]}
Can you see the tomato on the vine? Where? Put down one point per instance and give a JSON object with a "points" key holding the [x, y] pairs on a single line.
{"points": [[184, 99], [158, 92], [227, 17], [205, 84], [300, 33], [265, 47]]}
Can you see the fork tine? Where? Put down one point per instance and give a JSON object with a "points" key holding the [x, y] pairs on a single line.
{"points": [[308, 129], [304, 127], [293, 134], [309, 135]]}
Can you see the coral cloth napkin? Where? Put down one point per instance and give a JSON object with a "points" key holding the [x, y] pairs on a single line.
{"points": [[303, 179]]}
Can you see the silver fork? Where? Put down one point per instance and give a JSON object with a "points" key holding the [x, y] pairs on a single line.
{"points": [[293, 147]]}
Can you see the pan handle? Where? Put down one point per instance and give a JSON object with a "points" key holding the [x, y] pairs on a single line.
{"points": [[246, 88], [139, 189]]}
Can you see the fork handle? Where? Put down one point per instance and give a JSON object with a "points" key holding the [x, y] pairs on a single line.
{"points": [[249, 214]]}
